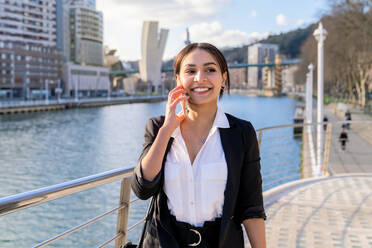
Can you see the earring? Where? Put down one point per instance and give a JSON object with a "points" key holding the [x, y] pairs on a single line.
{"points": [[222, 88]]}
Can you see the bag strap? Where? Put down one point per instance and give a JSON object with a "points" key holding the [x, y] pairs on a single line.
{"points": [[150, 211]]}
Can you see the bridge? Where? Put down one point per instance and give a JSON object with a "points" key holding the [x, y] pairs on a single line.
{"points": [[230, 66]]}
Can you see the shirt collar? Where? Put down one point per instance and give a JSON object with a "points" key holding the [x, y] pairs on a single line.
{"points": [[220, 121]]}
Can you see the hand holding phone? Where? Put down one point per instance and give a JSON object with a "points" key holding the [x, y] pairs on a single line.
{"points": [[176, 96]]}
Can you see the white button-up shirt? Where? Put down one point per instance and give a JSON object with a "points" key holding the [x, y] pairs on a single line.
{"points": [[196, 192]]}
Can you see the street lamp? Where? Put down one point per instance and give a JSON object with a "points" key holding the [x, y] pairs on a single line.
{"points": [[309, 117], [58, 90], [46, 91], [320, 35], [309, 94]]}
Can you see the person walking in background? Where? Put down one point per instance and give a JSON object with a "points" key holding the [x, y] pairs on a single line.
{"points": [[325, 119], [348, 118], [343, 138]]}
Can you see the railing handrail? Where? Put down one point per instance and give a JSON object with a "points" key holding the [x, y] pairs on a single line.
{"points": [[311, 124], [16, 202]]}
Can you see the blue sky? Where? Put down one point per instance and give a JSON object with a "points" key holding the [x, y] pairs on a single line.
{"points": [[225, 23]]}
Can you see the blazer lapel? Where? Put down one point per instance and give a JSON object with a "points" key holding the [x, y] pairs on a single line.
{"points": [[232, 144]]}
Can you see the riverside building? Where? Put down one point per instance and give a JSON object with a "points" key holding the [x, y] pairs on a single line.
{"points": [[257, 53], [30, 63], [81, 41]]}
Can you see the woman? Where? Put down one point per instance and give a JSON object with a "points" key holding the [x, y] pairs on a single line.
{"points": [[202, 166]]}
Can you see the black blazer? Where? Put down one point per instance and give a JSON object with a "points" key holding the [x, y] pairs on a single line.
{"points": [[243, 193]]}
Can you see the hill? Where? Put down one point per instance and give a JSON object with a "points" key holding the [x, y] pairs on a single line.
{"points": [[289, 45]]}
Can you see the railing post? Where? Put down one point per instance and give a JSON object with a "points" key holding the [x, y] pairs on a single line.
{"points": [[259, 139], [327, 147], [122, 224]]}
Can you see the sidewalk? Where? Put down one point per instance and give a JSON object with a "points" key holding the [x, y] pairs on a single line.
{"points": [[358, 154], [323, 212], [334, 211]]}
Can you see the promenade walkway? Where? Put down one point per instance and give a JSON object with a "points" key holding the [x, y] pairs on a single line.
{"points": [[357, 156], [334, 211]]}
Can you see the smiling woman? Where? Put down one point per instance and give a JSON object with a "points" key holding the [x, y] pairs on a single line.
{"points": [[202, 168]]}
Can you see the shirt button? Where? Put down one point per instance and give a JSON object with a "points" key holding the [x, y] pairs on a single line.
{"points": [[190, 179], [191, 203]]}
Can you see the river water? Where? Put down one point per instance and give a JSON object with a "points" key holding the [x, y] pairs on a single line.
{"points": [[42, 149]]}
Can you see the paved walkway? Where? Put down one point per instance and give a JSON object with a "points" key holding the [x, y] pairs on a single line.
{"points": [[334, 211], [358, 154]]}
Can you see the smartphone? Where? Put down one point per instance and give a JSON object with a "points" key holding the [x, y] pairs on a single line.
{"points": [[181, 113]]}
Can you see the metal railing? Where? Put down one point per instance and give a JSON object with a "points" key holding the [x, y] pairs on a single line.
{"points": [[32, 198], [29, 103], [285, 165]]}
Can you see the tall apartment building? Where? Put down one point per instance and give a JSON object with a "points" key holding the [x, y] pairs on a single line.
{"points": [[80, 29], [86, 36], [256, 55], [29, 58]]}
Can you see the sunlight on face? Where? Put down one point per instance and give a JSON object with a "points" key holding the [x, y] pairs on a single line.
{"points": [[201, 77]]}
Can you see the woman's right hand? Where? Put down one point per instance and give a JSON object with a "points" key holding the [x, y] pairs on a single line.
{"points": [[175, 96]]}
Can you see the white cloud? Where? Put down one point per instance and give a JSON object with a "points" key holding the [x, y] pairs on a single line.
{"points": [[214, 33], [253, 13], [123, 19], [281, 20], [171, 12]]}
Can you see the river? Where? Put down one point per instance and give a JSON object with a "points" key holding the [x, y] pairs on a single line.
{"points": [[42, 149]]}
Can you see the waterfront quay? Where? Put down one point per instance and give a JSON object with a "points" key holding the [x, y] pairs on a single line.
{"points": [[14, 107], [328, 211]]}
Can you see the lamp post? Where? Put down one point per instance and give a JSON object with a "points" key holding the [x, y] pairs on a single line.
{"points": [[309, 94], [76, 87], [58, 90], [309, 118], [46, 91], [320, 35]]}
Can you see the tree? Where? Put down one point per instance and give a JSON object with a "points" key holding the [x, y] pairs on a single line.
{"points": [[348, 49]]}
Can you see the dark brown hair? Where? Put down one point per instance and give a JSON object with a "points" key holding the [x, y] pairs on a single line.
{"points": [[212, 50]]}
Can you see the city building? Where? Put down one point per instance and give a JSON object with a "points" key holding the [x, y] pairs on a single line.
{"points": [[86, 36], [152, 49], [288, 78], [238, 78], [257, 53], [63, 29], [85, 81], [80, 38], [30, 63]]}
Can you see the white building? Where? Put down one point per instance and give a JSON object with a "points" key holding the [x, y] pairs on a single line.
{"points": [[85, 80], [29, 58], [288, 78], [152, 49], [256, 55], [80, 29]]}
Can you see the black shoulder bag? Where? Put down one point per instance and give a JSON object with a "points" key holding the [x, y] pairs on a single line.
{"points": [[150, 211]]}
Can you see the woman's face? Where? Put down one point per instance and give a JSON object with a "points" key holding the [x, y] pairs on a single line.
{"points": [[201, 77]]}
